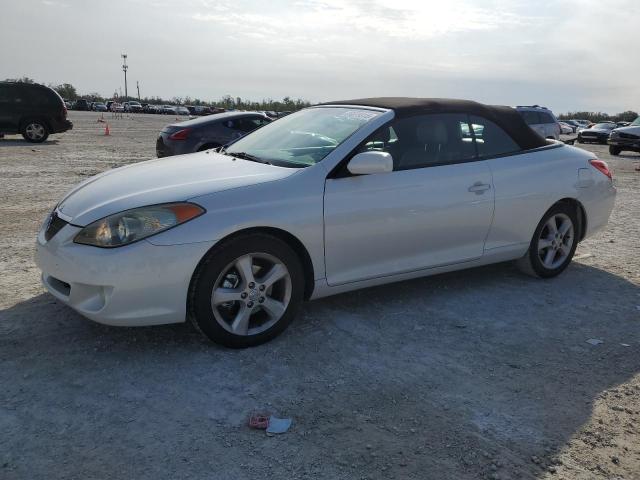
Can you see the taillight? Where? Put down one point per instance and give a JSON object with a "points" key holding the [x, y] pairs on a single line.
{"points": [[180, 134], [602, 167], [64, 111]]}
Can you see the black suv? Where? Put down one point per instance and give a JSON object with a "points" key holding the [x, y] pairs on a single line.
{"points": [[33, 110]]}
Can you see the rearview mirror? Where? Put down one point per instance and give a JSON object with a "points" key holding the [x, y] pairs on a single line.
{"points": [[367, 163]]}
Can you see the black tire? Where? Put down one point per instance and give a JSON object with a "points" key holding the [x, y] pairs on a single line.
{"points": [[615, 151], [531, 263], [216, 262], [34, 131], [579, 140]]}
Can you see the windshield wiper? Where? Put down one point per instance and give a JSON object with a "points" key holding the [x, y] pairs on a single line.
{"points": [[246, 156]]}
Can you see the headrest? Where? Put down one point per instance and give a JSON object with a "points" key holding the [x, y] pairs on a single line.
{"points": [[432, 131], [382, 135]]}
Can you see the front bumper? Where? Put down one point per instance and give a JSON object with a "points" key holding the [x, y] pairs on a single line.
{"points": [[134, 285], [593, 138], [633, 143]]}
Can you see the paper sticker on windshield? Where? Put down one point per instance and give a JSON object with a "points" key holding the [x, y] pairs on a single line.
{"points": [[357, 115]]}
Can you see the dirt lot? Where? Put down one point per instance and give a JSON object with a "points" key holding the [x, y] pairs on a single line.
{"points": [[479, 374]]}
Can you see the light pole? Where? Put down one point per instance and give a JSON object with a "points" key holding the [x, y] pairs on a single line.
{"points": [[124, 69], [138, 86]]}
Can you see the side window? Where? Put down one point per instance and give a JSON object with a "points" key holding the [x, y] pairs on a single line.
{"points": [[6, 94], [424, 141], [39, 98], [11, 94], [531, 117], [491, 139], [546, 118]]}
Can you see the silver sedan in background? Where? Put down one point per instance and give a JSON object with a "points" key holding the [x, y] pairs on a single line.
{"points": [[332, 198]]}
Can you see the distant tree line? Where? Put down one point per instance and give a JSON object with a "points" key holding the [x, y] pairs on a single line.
{"points": [[69, 92], [595, 117]]}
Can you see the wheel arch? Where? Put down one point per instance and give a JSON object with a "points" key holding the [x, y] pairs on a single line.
{"points": [[581, 214], [287, 237], [24, 120]]}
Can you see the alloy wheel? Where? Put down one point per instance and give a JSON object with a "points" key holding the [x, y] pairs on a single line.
{"points": [[556, 241], [251, 294], [35, 131]]}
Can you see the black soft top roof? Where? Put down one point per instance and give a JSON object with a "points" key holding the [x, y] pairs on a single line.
{"points": [[505, 117]]}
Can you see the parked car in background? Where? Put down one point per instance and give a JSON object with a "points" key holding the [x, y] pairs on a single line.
{"points": [[566, 129], [330, 199], [541, 120], [132, 106], [207, 132], [169, 110], [625, 138], [183, 111], [573, 124], [82, 105], [599, 133], [33, 110], [99, 107], [583, 123], [623, 124], [116, 107], [150, 108]]}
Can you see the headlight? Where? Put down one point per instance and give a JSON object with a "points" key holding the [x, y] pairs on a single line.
{"points": [[613, 134], [135, 224]]}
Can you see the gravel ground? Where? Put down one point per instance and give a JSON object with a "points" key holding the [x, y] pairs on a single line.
{"points": [[478, 374]]}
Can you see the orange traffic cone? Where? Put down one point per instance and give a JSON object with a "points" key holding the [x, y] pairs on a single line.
{"points": [[106, 130]]}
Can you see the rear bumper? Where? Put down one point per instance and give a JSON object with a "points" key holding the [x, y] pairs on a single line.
{"points": [[59, 127]]}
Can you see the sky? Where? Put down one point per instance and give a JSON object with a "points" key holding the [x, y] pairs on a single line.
{"points": [[567, 55]]}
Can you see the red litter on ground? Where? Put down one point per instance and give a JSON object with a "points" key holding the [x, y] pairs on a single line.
{"points": [[259, 421], [273, 425]]}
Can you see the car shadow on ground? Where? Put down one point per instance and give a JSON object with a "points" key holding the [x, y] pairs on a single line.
{"points": [[19, 142], [449, 375]]}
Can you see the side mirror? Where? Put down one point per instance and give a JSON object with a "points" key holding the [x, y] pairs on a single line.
{"points": [[367, 163]]}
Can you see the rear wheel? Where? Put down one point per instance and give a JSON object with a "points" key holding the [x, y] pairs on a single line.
{"points": [[246, 291], [35, 131], [553, 244], [615, 151]]}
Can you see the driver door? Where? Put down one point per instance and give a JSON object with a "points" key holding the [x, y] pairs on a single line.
{"points": [[434, 209]]}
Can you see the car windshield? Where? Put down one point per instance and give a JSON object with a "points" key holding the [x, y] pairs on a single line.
{"points": [[303, 138], [605, 126], [636, 122]]}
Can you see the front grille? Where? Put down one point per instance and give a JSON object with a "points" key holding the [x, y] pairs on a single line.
{"points": [[630, 136], [54, 225]]}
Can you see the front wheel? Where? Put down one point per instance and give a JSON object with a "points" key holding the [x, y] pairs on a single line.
{"points": [[553, 244], [35, 131], [615, 151], [246, 291]]}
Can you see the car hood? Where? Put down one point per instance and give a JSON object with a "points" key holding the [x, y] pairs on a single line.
{"points": [[171, 179], [599, 131], [634, 130]]}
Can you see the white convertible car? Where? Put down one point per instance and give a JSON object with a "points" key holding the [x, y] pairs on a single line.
{"points": [[332, 198]]}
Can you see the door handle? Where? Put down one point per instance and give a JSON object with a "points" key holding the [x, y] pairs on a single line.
{"points": [[479, 188]]}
